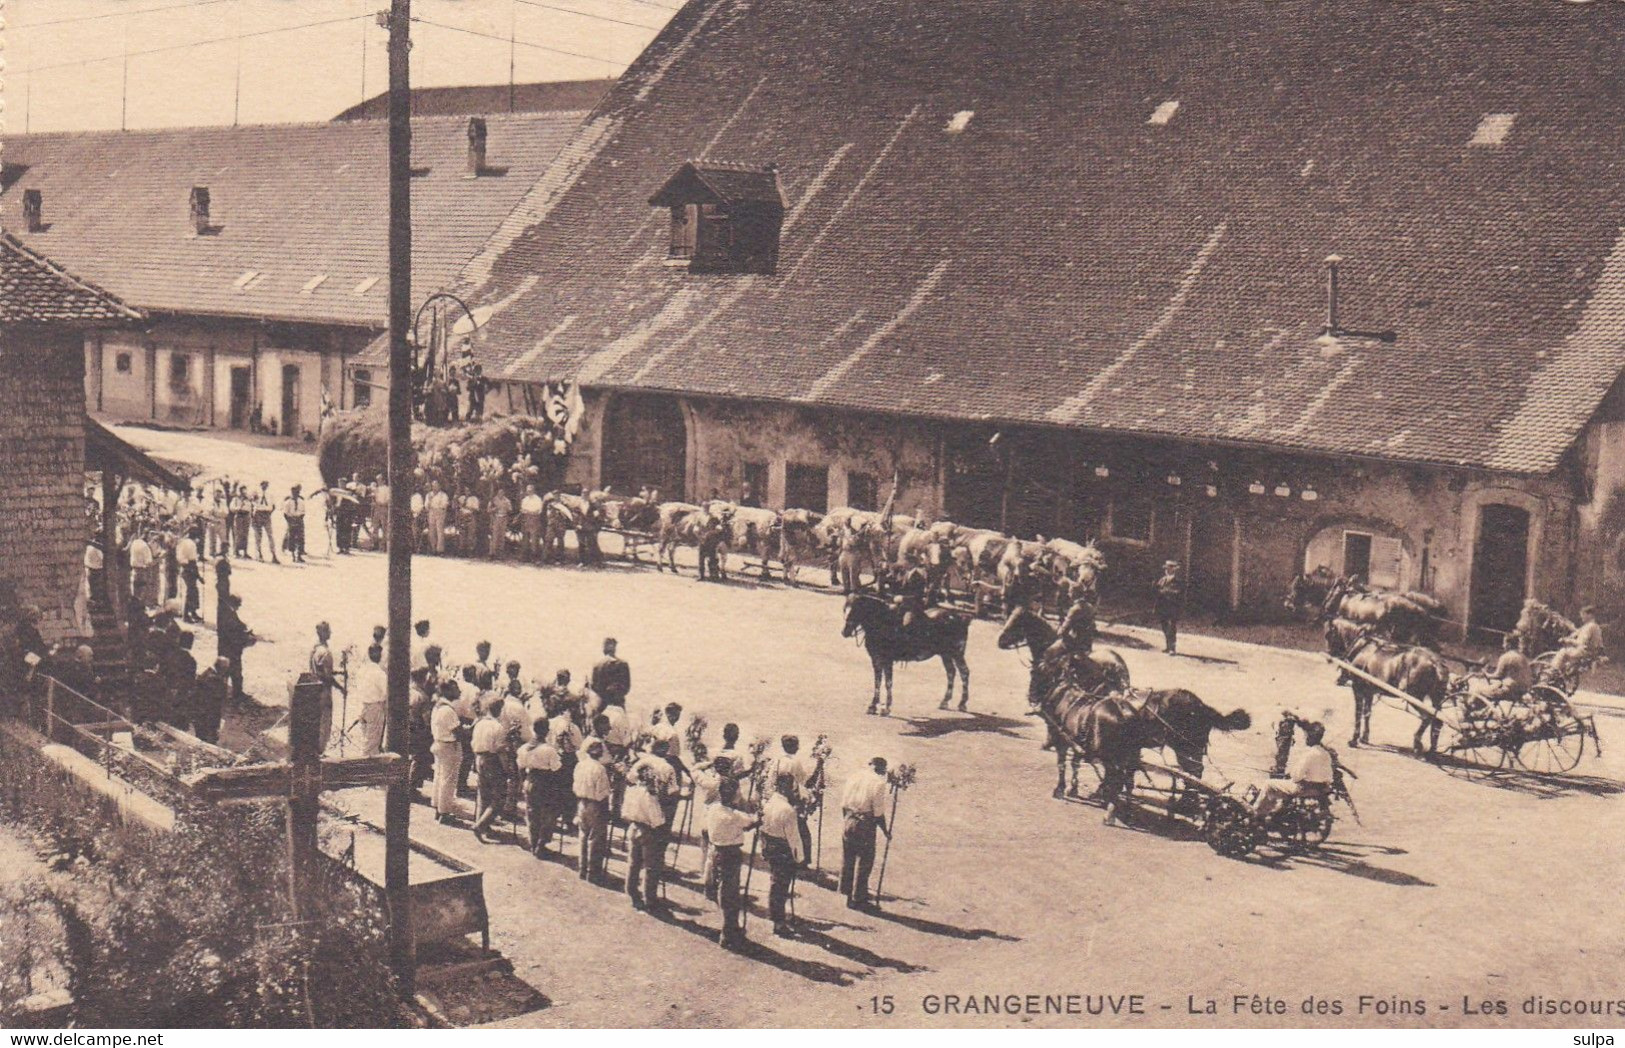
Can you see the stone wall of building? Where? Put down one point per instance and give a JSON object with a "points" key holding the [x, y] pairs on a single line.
{"points": [[42, 457]]}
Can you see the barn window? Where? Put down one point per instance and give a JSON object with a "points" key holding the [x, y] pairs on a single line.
{"points": [[1129, 520], [180, 372], [806, 487], [725, 218], [122, 363], [363, 387], [862, 491]]}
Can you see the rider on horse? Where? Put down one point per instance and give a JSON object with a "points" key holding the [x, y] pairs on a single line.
{"points": [[1072, 648], [909, 595]]}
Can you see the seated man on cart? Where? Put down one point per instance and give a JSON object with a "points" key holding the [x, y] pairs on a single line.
{"points": [[1582, 648], [1505, 684], [1310, 774]]}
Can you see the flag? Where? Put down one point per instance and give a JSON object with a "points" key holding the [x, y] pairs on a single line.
{"points": [[574, 409]]}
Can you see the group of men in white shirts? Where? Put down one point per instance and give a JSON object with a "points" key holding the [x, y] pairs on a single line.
{"points": [[580, 763]]}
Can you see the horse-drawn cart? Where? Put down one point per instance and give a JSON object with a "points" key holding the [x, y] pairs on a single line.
{"points": [[1539, 731], [1228, 823]]}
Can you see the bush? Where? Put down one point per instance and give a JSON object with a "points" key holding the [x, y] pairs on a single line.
{"points": [[190, 928]]}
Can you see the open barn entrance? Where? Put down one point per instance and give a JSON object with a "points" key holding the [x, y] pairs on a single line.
{"points": [[645, 444], [1500, 567]]}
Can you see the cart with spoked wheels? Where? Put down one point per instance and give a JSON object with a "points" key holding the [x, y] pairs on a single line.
{"points": [[1539, 731], [1230, 827]]}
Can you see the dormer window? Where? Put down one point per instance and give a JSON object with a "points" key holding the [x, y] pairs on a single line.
{"points": [[725, 218]]}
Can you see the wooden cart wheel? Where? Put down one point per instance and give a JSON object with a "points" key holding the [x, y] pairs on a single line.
{"points": [[1472, 745], [1229, 828], [1314, 823], [1553, 734]]}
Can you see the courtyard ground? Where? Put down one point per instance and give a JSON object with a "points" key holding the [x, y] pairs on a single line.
{"points": [[1447, 891]]}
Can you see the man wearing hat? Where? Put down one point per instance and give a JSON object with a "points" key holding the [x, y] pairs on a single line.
{"points": [[293, 511], [591, 785], [323, 669], [863, 806], [1169, 603], [234, 638]]}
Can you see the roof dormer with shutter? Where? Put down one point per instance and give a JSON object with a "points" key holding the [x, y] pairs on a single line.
{"points": [[725, 218]]}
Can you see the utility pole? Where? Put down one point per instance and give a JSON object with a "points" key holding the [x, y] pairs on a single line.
{"points": [[398, 803]]}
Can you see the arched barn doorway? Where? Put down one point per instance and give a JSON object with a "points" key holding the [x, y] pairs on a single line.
{"points": [[645, 443], [1500, 566]]}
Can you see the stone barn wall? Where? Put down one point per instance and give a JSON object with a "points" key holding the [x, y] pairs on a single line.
{"points": [[42, 462]]}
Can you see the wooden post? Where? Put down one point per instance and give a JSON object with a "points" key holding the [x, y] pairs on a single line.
{"points": [[51, 731], [304, 788], [398, 803]]}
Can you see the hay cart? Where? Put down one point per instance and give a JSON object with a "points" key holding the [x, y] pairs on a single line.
{"points": [[1540, 732]]}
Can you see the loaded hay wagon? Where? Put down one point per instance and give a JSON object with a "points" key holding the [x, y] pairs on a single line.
{"points": [[1539, 732]]}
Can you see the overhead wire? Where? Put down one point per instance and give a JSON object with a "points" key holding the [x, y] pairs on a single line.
{"points": [[589, 14], [23, 26], [196, 43], [521, 43]]}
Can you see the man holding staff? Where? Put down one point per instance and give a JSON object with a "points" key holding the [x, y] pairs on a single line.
{"points": [[863, 804]]}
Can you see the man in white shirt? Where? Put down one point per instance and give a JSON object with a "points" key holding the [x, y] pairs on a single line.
{"points": [[1580, 648], [863, 806], [448, 756], [491, 749], [143, 579], [186, 558], [541, 765], [420, 645], [592, 789], [437, 506], [380, 513], [650, 783], [781, 846], [1310, 772], [792, 762], [293, 514], [470, 525], [726, 824], [530, 521], [372, 691]]}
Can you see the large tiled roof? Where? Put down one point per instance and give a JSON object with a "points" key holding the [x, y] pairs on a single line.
{"points": [[291, 203], [38, 293], [479, 99], [996, 211]]}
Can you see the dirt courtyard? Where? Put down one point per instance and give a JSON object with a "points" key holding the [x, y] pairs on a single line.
{"points": [[1447, 895]]}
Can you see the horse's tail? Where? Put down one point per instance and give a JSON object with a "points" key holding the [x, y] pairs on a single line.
{"points": [[1236, 720]]}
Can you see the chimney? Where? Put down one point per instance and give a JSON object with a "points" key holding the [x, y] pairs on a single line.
{"points": [[1332, 326], [33, 210], [476, 145], [200, 210]]}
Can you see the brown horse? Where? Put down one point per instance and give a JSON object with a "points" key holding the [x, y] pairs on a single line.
{"points": [[1098, 722], [1111, 731], [1416, 671]]}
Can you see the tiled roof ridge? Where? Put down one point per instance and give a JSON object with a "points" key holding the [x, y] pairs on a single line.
{"points": [[734, 165], [55, 269], [352, 125]]}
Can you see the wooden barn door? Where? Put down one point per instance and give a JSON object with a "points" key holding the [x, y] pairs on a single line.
{"points": [[645, 443]]}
